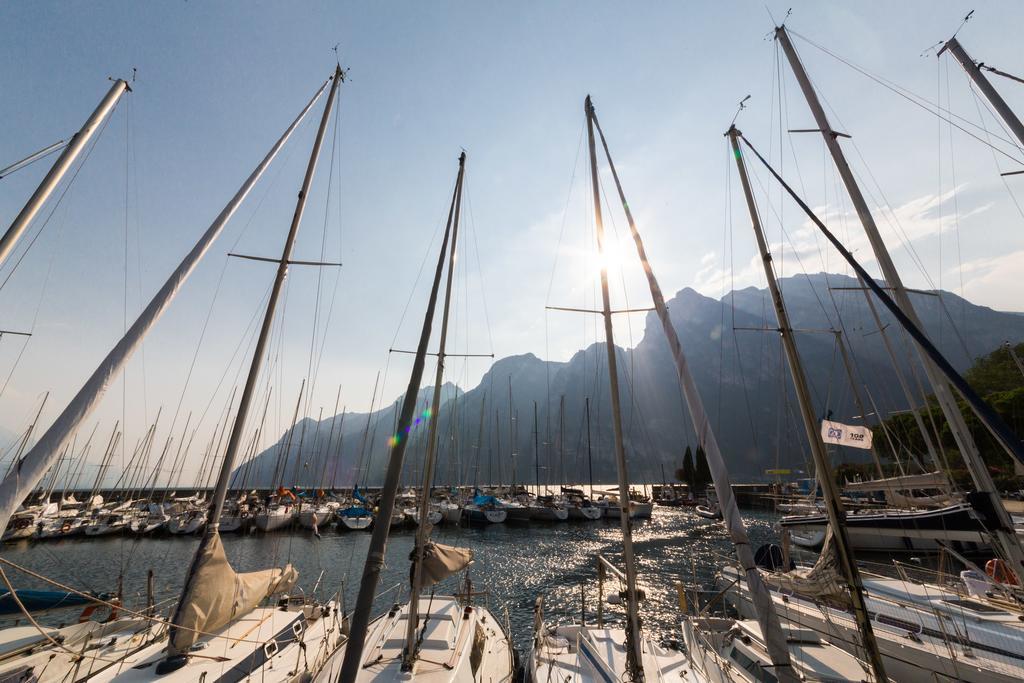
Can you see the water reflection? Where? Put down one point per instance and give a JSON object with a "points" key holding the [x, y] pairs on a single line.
{"points": [[514, 564]]}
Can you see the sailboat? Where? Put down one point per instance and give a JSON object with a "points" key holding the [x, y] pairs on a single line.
{"points": [[603, 652], [431, 637], [726, 649], [580, 505], [484, 509], [278, 513], [357, 515], [952, 634], [218, 629], [957, 632]]}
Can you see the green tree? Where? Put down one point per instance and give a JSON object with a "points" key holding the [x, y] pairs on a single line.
{"points": [[686, 472], [1000, 382], [702, 474]]}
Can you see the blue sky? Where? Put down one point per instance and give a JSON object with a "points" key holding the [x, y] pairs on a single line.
{"points": [[217, 83]]}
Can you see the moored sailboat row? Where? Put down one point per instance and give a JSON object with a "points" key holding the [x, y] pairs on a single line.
{"points": [[831, 620]]}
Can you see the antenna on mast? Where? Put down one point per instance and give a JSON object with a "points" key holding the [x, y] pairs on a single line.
{"points": [[966, 19], [742, 105]]}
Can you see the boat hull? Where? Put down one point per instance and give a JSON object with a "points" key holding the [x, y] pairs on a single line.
{"points": [[548, 514], [272, 521], [923, 656], [474, 515], [185, 525], [452, 513], [903, 531], [586, 513], [465, 643], [707, 513]]}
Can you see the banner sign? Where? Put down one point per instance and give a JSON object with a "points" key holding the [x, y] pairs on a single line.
{"points": [[845, 435]]}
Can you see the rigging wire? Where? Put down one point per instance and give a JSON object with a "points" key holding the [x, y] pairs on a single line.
{"points": [[915, 99]]}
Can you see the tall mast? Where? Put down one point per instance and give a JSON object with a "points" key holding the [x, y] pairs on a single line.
{"points": [[60, 167], [14, 489], [833, 506], [352, 662], [775, 640], [536, 451], [480, 440], [423, 530], [634, 661], [561, 440], [973, 70], [230, 455], [513, 442], [590, 455], [983, 483]]}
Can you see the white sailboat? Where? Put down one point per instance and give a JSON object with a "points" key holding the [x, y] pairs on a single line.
{"points": [[218, 630], [317, 516], [730, 651], [354, 518], [548, 509], [484, 509], [430, 638], [187, 522], [434, 515], [593, 652], [274, 517], [106, 524], [925, 631], [459, 642], [955, 632]]}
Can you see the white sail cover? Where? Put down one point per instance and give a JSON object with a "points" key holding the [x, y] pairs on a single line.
{"points": [[845, 435], [441, 561], [220, 595], [823, 580]]}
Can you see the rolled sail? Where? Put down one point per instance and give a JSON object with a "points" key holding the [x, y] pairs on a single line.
{"points": [[219, 595], [441, 561]]}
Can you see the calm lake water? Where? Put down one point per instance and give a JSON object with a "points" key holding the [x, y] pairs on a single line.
{"points": [[514, 564]]}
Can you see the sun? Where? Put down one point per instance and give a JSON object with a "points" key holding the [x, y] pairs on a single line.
{"points": [[613, 257]]}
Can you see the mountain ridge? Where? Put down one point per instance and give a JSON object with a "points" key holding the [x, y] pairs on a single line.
{"points": [[736, 360]]}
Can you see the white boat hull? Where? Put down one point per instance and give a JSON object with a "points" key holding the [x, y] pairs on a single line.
{"points": [[324, 518], [354, 519], [587, 513], [475, 515], [576, 653], [269, 644], [273, 521], [182, 525], [996, 651], [461, 643]]}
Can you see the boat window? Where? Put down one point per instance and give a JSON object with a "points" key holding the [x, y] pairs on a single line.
{"points": [[754, 668], [974, 606]]}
